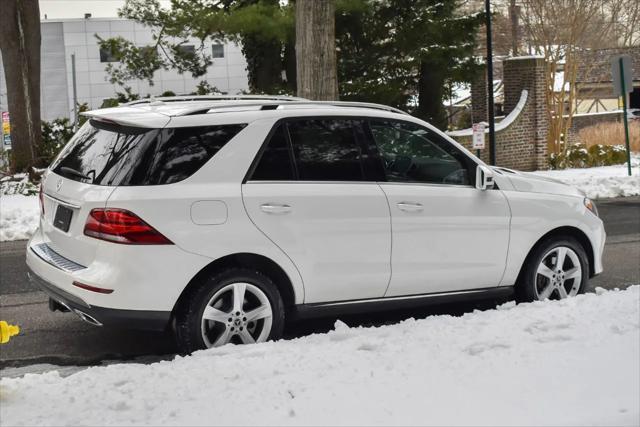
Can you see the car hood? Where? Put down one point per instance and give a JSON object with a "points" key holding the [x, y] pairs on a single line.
{"points": [[532, 183]]}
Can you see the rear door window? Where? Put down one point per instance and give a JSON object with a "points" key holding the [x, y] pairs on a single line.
{"points": [[126, 156], [275, 163], [327, 149]]}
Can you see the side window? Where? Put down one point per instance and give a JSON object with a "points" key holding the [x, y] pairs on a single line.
{"points": [[411, 153], [275, 163], [327, 150]]}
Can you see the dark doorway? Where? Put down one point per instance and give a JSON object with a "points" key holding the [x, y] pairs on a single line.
{"points": [[634, 98]]}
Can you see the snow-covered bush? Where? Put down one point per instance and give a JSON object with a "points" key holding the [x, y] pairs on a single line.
{"points": [[55, 134], [579, 156], [17, 184]]}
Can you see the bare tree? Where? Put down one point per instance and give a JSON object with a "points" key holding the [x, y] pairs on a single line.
{"points": [[316, 49], [562, 30], [20, 46], [514, 15]]}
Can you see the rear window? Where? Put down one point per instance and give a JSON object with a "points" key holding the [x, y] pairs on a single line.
{"points": [[114, 155]]}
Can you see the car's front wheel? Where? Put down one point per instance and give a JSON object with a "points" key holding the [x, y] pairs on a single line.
{"points": [[557, 268], [238, 306]]}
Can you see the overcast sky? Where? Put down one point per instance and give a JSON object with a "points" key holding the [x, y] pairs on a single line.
{"points": [[56, 9]]}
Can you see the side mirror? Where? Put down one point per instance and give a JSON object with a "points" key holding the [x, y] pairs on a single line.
{"points": [[484, 178]]}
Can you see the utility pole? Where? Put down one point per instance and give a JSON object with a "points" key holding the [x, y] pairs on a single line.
{"points": [[75, 91], [492, 127]]}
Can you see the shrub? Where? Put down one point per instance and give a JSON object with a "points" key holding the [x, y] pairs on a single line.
{"points": [[55, 134], [579, 156]]}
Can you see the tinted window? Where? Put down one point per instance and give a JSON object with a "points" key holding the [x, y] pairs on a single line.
{"points": [[217, 51], [415, 154], [275, 163], [106, 55], [326, 150], [114, 155]]}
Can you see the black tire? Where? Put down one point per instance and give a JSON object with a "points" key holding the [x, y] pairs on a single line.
{"points": [[526, 285], [188, 315]]}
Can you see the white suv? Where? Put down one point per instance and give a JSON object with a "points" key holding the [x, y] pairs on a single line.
{"points": [[221, 218]]}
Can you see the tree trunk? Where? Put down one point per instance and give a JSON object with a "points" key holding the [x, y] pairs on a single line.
{"points": [[514, 13], [20, 46], [430, 94], [316, 50]]}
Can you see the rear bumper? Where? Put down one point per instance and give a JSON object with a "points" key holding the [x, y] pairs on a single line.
{"points": [[99, 316]]}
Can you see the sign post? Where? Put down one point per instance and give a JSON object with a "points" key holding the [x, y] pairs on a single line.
{"points": [[621, 74], [478, 137]]}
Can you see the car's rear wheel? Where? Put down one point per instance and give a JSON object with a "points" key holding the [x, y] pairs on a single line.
{"points": [[557, 268], [238, 306]]}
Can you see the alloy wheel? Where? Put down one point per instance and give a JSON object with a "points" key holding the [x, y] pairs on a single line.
{"points": [[239, 313], [559, 274]]}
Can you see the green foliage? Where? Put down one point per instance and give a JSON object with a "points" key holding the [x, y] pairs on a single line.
{"points": [[55, 135], [398, 50], [262, 26], [578, 156], [121, 98], [204, 88]]}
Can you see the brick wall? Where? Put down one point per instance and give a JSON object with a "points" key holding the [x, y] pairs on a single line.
{"points": [[522, 144]]}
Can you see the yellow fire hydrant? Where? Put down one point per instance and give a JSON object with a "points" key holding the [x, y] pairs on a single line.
{"points": [[7, 331]]}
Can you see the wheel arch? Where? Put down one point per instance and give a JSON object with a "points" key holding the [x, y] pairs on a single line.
{"points": [[574, 232], [244, 260]]}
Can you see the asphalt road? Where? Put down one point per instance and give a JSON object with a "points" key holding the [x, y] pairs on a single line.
{"points": [[62, 339]]}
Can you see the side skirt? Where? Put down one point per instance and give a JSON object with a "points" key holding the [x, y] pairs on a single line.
{"points": [[306, 311]]}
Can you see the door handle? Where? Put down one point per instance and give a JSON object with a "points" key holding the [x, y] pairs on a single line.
{"points": [[410, 207], [275, 208]]}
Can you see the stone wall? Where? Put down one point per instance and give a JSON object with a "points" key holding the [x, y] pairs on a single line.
{"points": [[521, 136]]}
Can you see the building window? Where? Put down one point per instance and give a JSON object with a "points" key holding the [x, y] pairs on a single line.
{"points": [[217, 51], [186, 48], [106, 55]]}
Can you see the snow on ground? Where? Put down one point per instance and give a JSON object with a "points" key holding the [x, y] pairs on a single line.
{"points": [[19, 216], [601, 182], [569, 362]]}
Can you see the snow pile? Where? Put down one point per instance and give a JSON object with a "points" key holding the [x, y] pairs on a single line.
{"points": [[601, 182], [569, 362], [19, 216], [18, 184]]}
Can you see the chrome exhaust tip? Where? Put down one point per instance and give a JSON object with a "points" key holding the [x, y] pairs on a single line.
{"points": [[87, 318]]}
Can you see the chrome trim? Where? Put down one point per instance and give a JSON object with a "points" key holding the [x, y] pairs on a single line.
{"points": [[399, 298], [420, 184], [312, 182], [62, 202], [186, 98], [48, 255]]}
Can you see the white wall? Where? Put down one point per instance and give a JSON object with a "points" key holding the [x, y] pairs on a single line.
{"points": [[62, 38]]}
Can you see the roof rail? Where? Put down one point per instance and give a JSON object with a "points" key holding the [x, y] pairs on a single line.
{"points": [[203, 109], [214, 98]]}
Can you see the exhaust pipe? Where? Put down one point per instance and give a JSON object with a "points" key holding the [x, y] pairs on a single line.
{"points": [[87, 318]]}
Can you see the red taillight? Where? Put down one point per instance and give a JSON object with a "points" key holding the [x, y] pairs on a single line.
{"points": [[41, 197], [122, 226], [92, 288]]}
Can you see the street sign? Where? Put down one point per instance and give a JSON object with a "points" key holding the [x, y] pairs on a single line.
{"points": [[6, 130], [618, 74], [478, 136], [622, 85]]}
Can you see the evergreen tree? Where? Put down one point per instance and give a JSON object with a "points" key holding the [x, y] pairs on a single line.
{"points": [[403, 52], [263, 27]]}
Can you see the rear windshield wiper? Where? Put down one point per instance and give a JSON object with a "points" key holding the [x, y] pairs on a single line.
{"points": [[75, 172]]}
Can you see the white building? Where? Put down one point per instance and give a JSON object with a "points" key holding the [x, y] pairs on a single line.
{"points": [[63, 37]]}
